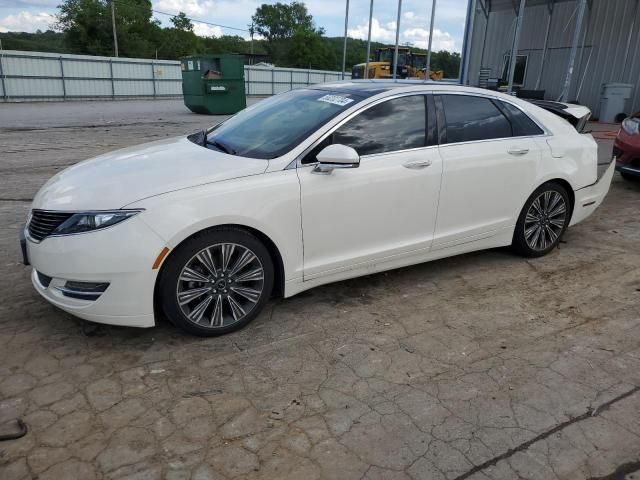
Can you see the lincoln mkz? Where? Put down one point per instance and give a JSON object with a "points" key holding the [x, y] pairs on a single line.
{"points": [[308, 187]]}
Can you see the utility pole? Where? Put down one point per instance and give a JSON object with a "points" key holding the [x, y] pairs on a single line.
{"points": [[113, 24], [344, 46], [251, 30]]}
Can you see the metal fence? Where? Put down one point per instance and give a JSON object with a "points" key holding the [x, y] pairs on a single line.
{"points": [[26, 76], [269, 81]]}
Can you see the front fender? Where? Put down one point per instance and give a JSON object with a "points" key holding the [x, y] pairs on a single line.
{"points": [[269, 203]]}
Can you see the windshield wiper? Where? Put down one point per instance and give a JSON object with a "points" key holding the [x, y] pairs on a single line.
{"points": [[221, 146]]}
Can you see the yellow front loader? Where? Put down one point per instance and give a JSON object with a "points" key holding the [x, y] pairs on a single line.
{"points": [[410, 65]]}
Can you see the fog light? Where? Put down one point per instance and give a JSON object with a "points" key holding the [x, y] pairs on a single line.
{"points": [[44, 280], [83, 290]]}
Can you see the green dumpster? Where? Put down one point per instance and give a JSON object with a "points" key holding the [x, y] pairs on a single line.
{"points": [[213, 84]]}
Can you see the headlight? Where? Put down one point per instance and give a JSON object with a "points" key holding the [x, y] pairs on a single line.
{"points": [[90, 221], [631, 125]]}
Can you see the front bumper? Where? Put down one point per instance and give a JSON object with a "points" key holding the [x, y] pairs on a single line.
{"points": [[626, 149], [121, 256], [589, 198], [629, 170]]}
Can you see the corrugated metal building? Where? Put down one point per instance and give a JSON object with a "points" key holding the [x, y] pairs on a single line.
{"points": [[608, 46]]}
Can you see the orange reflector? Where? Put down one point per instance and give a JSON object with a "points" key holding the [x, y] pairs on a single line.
{"points": [[158, 261]]}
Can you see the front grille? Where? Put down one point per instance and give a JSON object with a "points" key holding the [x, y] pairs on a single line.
{"points": [[44, 222]]}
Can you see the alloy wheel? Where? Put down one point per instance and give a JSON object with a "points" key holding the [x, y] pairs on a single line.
{"points": [[545, 220], [220, 285]]}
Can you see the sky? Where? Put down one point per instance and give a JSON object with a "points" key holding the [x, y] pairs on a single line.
{"points": [[31, 15]]}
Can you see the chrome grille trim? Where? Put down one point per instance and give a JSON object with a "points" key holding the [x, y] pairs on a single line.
{"points": [[44, 222]]}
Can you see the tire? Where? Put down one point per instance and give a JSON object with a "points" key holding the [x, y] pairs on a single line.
{"points": [[630, 178], [216, 282], [546, 212]]}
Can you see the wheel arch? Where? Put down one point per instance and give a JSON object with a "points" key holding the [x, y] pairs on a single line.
{"points": [[567, 186], [274, 252], [519, 242], [560, 181]]}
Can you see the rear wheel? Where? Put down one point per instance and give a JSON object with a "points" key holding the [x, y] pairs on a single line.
{"points": [[543, 221], [630, 178], [216, 282]]}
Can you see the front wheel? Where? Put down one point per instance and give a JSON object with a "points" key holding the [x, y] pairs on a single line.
{"points": [[544, 218], [216, 282]]}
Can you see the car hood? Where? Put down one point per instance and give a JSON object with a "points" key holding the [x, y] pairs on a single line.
{"points": [[116, 179]]}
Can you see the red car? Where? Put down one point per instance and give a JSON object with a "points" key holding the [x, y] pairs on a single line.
{"points": [[626, 148]]}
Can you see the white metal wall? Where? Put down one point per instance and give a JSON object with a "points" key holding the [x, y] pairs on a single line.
{"points": [[48, 76], [270, 81], [611, 26]]}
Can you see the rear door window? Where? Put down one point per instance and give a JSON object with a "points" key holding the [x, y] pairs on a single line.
{"points": [[469, 118]]}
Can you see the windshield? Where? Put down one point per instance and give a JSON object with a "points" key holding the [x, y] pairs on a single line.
{"points": [[274, 126], [419, 61], [388, 54]]}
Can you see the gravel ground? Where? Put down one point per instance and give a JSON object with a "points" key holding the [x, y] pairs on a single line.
{"points": [[483, 366]]}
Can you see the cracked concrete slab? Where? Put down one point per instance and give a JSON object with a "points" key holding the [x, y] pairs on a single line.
{"points": [[485, 366]]}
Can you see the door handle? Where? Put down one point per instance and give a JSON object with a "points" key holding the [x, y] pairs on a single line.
{"points": [[417, 164], [518, 151]]}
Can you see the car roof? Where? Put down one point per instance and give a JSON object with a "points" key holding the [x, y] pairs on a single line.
{"points": [[368, 88]]}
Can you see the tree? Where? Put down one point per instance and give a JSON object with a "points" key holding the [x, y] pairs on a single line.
{"points": [[48, 41], [182, 22], [279, 23], [307, 49], [288, 34], [449, 62], [87, 27]]}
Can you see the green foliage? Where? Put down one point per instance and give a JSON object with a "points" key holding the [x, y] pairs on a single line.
{"points": [[87, 26], [449, 62], [182, 22], [287, 28], [281, 21], [289, 37], [231, 44], [308, 49], [48, 41], [173, 43]]}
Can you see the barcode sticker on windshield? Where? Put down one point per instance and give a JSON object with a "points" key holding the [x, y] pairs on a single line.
{"points": [[336, 100]]}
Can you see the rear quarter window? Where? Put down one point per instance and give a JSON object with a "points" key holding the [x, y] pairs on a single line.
{"points": [[522, 125]]}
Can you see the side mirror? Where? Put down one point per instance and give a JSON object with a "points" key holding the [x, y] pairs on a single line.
{"points": [[336, 156]]}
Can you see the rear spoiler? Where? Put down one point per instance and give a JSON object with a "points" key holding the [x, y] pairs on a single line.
{"points": [[576, 115]]}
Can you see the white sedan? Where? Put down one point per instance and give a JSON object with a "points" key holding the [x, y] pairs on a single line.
{"points": [[305, 188]]}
